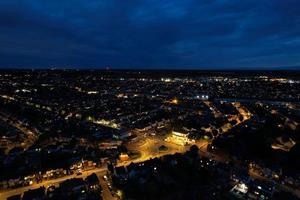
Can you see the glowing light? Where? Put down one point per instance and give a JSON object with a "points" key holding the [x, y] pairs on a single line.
{"points": [[120, 193], [174, 101]]}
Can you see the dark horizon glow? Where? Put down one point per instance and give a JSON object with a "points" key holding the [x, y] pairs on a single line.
{"points": [[150, 34]]}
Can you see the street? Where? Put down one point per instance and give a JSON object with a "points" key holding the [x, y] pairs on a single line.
{"points": [[7, 193]]}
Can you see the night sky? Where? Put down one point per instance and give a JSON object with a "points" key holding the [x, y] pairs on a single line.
{"points": [[139, 34]]}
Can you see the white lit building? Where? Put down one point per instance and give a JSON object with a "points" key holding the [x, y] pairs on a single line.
{"points": [[179, 138]]}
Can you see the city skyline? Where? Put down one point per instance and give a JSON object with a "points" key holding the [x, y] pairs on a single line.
{"points": [[119, 135]]}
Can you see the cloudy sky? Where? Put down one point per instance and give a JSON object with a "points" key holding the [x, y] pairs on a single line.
{"points": [[199, 34]]}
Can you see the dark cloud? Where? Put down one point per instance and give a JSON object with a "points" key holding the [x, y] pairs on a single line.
{"points": [[150, 33]]}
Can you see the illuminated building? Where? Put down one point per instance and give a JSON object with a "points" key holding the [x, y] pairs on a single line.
{"points": [[179, 138], [123, 157], [239, 190]]}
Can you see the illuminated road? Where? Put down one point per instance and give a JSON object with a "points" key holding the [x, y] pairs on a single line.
{"points": [[214, 110], [7, 193], [106, 194], [244, 113], [149, 148], [32, 135]]}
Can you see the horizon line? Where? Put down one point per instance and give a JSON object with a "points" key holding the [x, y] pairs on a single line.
{"points": [[112, 68]]}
